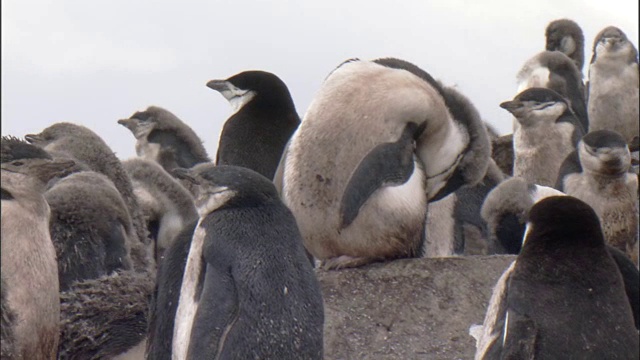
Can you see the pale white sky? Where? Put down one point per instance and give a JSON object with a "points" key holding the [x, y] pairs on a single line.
{"points": [[94, 62]]}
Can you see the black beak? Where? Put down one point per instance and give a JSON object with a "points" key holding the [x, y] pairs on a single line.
{"points": [[218, 85]]}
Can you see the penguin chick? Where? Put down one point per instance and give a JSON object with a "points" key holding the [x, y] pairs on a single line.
{"points": [[164, 138], [248, 290], [166, 205], [502, 153], [7, 340], [548, 132], [563, 294], [380, 139], [264, 119], [613, 84], [598, 174], [566, 36], [29, 269]]}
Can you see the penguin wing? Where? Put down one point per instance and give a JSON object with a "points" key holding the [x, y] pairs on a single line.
{"points": [[570, 165], [519, 336], [630, 278], [168, 140], [279, 175]]}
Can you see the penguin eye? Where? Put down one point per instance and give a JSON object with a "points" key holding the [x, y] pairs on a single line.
{"points": [[17, 163]]}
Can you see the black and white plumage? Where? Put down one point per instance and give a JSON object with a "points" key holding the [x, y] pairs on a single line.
{"points": [[613, 84], [548, 132], [599, 174], [380, 139], [264, 119], [248, 290], [566, 36], [563, 294]]}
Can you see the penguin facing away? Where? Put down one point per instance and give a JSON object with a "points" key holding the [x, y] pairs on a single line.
{"points": [[264, 119], [566, 36], [379, 140]]}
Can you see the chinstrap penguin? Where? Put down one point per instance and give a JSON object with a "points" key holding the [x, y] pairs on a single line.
{"points": [[566, 36]]}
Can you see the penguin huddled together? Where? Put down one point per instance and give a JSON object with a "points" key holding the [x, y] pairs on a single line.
{"points": [[169, 255]]}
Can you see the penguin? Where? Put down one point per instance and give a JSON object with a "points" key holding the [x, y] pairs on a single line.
{"points": [[29, 269], [502, 153], [598, 173], [380, 139], [164, 138], [248, 290], [87, 147], [167, 206], [562, 295], [613, 84], [548, 132], [566, 36], [556, 71], [264, 119]]}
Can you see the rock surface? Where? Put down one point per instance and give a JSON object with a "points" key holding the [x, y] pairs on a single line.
{"points": [[408, 309]]}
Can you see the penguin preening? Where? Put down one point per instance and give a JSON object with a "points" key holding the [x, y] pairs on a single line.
{"points": [[548, 132], [164, 138], [563, 294], [566, 36], [598, 174], [613, 84], [379, 140], [248, 290], [264, 119]]}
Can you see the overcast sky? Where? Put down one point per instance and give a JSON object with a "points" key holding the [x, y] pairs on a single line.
{"points": [[94, 62]]}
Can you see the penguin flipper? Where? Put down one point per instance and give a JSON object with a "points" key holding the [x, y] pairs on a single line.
{"points": [[520, 336], [570, 165]]}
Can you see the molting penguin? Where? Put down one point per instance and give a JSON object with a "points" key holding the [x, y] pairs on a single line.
{"points": [[248, 289], [379, 140], [548, 132], [86, 146], [164, 138], [563, 294], [598, 174], [264, 118], [29, 269], [166, 205], [566, 36], [613, 84]]}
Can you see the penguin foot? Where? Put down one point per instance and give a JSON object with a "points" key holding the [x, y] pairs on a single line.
{"points": [[345, 261]]}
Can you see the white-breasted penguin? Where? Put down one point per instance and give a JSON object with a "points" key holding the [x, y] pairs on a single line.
{"points": [[29, 268], [248, 289], [264, 119], [598, 174], [548, 132], [563, 295], [380, 139], [566, 36], [164, 138], [167, 206], [613, 84]]}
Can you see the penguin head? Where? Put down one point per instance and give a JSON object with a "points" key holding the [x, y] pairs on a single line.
{"points": [[56, 132], [612, 43], [226, 186], [141, 123], [604, 152], [566, 36], [535, 106], [22, 160]]}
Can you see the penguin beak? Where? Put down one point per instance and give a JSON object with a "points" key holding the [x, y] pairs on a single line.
{"points": [[128, 123], [49, 170], [511, 105], [33, 139], [218, 85], [182, 173]]}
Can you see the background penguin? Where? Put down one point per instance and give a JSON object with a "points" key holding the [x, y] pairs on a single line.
{"points": [[555, 71], [245, 236], [613, 84], [548, 132], [166, 205], [87, 147], [598, 174], [264, 118], [379, 140], [566, 36], [563, 294], [164, 138], [29, 269]]}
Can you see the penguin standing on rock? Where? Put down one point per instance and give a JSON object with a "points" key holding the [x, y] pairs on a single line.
{"points": [[563, 294], [264, 119], [566, 36], [380, 139], [248, 290]]}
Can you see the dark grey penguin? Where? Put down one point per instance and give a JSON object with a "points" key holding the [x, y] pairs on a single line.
{"points": [[87, 147], [29, 269], [598, 174], [556, 71], [566, 36], [613, 84], [564, 294], [502, 153], [166, 205], [248, 290], [548, 132], [264, 118], [380, 139], [164, 138]]}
